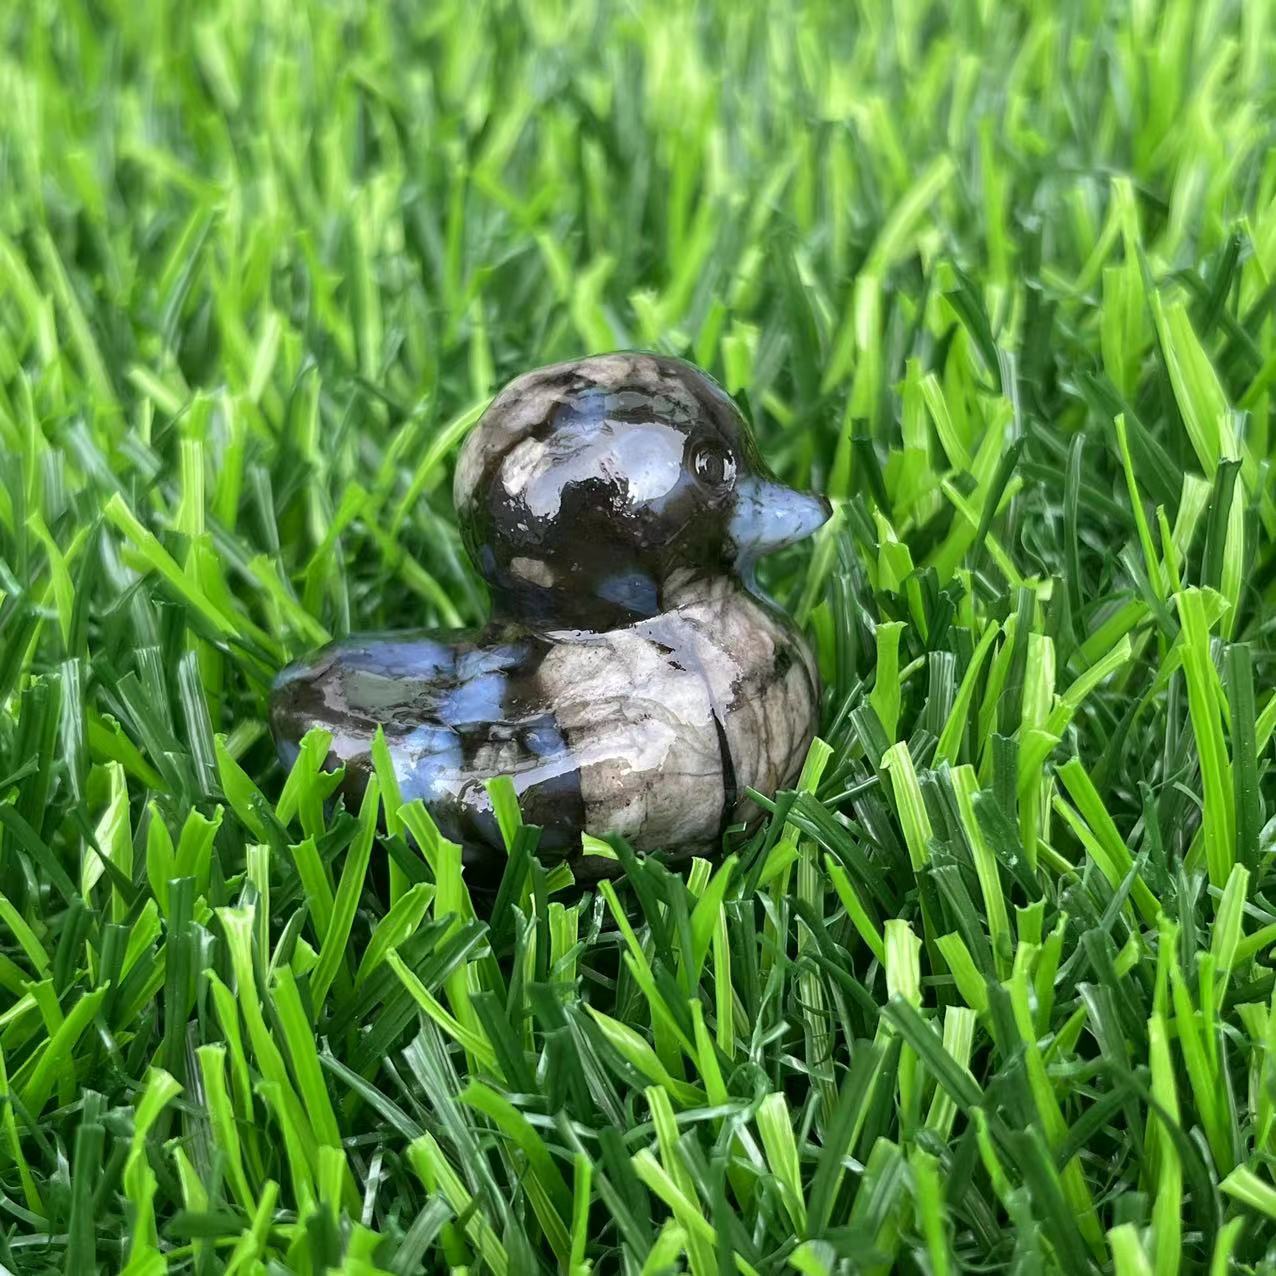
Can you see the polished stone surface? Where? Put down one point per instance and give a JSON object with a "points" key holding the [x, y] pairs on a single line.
{"points": [[631, 679]]}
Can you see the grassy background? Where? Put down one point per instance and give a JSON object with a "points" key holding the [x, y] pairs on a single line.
{"points": [[995, 987]]}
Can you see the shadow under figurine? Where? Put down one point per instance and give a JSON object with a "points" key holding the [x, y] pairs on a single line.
{"points": [[630, 680]]}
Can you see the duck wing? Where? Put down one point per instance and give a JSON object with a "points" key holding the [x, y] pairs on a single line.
{"points": [[457, 708]]}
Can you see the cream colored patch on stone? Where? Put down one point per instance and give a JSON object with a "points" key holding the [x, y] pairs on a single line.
{"points": [[642, 732], [533, 571], [769, 721], [636, 708], [524, 462], [611, 370], [521, 405]]}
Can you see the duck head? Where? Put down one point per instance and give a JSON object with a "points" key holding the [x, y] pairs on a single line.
{"points": [[587, 487]]}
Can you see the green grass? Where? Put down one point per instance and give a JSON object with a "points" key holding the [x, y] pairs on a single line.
{"points": [[995, 988]]}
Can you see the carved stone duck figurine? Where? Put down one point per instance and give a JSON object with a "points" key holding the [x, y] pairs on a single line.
{"points": [[631, 679]]}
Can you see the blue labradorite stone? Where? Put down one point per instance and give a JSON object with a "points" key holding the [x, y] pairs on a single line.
{"points": [[631, 680]]}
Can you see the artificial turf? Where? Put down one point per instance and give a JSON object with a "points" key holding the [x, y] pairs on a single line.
{"points": [[994, 988]]}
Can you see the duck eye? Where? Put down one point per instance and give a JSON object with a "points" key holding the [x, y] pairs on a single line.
{"points": [[713, 465]]}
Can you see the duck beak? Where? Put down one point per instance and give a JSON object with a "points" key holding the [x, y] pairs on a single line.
{"points": [[769, 516]]}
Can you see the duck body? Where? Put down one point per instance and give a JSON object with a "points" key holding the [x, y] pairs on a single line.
{"points": [[631, 681], [652, 731]]}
